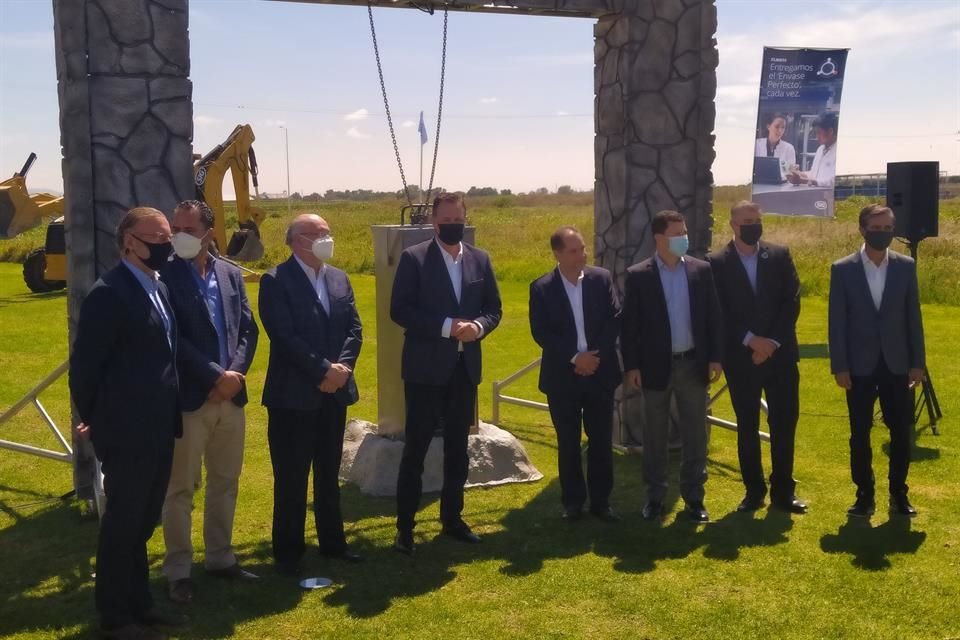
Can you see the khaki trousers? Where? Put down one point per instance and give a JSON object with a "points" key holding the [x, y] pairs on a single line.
{"points": [[212, 436]]}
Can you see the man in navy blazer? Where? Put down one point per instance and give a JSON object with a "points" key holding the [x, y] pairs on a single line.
{"points": [[445, 297], [308, 310], [877, 351], [672, 346], [218, 339], [123, 382], [575, 318]]}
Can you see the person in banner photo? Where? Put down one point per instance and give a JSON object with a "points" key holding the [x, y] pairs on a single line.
{"points": [[774, 146], [823, 171]]}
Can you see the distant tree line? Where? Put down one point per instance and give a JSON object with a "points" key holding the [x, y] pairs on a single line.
{"points": [[363, 195]]}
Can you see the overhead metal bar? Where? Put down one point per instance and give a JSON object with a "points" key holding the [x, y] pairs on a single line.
{"points": [[560, 8]]}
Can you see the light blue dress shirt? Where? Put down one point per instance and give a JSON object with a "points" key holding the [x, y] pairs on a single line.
{"points": [[153, 293], [210, 290], [750, 264], [676, 290]]}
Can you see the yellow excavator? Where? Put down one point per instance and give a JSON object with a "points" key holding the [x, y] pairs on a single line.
{"points": [[45, 269]]}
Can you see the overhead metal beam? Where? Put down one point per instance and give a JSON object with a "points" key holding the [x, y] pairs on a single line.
{"points": [[561, 8]]}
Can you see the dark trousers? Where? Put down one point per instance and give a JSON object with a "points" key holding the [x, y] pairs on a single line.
{"points": [[896, 404], [429, 408], [594, 408], [779, 379], [298, 441], [687, 387], [135, 483]]}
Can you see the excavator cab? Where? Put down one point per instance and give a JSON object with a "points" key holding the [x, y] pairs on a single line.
{"points": [[236, 155], [44, 269]]}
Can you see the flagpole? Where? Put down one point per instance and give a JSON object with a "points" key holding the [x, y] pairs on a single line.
{"points": [[420, 186]]}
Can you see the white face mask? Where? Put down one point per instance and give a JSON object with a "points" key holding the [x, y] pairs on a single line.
{"points": [[322, 248], [186, 246]]}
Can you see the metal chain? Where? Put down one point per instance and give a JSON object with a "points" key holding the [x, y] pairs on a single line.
{"points": [[386, 104], [443, 71]]}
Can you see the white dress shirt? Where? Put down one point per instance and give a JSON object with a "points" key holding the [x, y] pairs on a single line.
{"points": [[454, 266], [876, 276], [824, 167], [318, 282], [575, 296]]}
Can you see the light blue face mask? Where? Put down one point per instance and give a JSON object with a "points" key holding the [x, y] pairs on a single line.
{"points": [[679, 245]]}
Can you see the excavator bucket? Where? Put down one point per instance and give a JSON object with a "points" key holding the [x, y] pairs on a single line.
{"points": [[245, 245], [18, 212]]}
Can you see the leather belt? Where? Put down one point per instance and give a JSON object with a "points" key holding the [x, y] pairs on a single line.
{"points": [[685, 355]]}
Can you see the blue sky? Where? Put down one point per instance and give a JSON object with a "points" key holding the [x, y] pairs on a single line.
{"points": [[519, 98]]}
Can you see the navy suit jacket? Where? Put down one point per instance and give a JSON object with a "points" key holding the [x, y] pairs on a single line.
{"points": [[771, 312], [123, 376], [554, 329], [859, 333], [198, 352], [646, 343], [304, 339], [423, 298]]}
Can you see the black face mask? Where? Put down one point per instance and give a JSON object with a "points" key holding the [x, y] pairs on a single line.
{"points": [[159, 254], [750, 233], [451, 233], [878, 240]]}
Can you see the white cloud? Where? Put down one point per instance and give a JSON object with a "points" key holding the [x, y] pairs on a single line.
{"points": [[275, 123], [490, 100], [408, 123], [356, 116], [356, 134]]}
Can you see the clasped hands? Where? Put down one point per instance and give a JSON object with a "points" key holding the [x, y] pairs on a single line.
{"points": [[464, 330], [226, 387], [337, 376], [763, 349]]}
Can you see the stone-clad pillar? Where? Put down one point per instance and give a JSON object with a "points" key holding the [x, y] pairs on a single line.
{"points": [[126, 123], [655, 83]]}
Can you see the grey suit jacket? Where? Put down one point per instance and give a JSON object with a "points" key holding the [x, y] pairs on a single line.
{"points": [[860, 334]]}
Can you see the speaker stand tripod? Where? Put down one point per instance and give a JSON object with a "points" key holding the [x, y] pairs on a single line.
{"points": [[928, 395]]}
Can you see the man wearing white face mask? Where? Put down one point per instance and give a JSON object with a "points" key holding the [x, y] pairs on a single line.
{"points": [[308, 310], [218, 339], [672, 346]]}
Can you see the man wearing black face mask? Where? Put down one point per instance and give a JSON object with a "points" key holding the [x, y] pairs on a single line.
{"points": [[877, 351], [445, 297], [760, 294], [123, 381]]}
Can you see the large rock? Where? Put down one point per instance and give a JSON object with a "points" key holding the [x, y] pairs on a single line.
{"points": [[372, 462]]}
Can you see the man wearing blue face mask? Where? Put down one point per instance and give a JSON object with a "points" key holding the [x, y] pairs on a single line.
{"points": [[445, 297], [218, 339], [308, 310], [672, 347]]}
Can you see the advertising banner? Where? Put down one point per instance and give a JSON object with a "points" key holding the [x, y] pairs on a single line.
{"points": [[795, 150]]}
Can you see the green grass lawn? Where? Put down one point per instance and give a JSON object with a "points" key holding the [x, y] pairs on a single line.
{"points": [[766, 575]]}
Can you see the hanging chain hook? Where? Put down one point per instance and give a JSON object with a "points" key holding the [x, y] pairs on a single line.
{"points": [[386, 102]]}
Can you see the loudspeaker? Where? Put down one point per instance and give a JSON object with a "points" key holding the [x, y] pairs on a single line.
{"points": [[913, 192]]}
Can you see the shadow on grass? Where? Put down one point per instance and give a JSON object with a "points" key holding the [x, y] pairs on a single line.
{"points": [[48, 563], [22, 298], [870, 546]]}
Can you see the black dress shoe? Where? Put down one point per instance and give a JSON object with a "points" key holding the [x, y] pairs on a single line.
{"points": [[900, 505], [750, 503], [404, 542], [793, 505], [572, 514], [158, 618], [233, 572], [606, 514], [346, 555], [461, 532], [862, 508], [652, 510], [132, 632], [696, 512]]}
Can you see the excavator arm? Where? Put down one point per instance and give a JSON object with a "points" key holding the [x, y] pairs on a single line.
{"points": [[235, 155]]}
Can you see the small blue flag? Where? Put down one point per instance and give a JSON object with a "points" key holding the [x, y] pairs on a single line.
{"points": [[423, 130]]}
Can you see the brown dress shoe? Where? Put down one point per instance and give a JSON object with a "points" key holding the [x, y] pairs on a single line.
{"points": [[180, 591]]}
